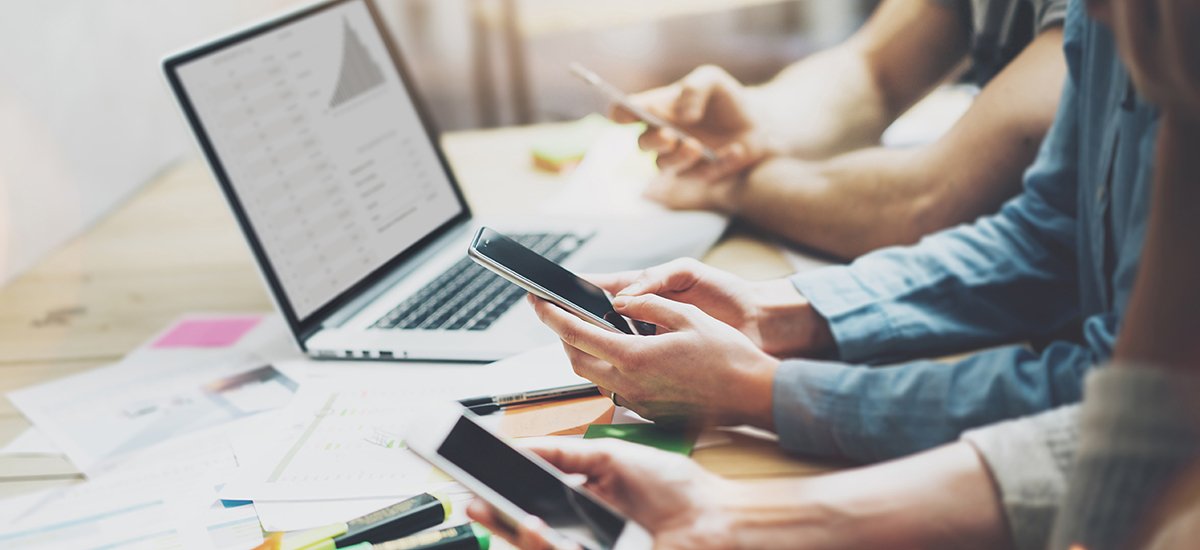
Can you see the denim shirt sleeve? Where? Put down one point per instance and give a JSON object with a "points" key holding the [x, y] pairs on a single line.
{"points": [[1001, 279], [1006, 277], [867, 414]]}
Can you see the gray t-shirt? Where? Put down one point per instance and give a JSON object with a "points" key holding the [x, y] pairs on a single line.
{"points": [[1000, 29]]}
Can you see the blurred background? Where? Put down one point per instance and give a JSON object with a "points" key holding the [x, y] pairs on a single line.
{"points": [[85, 118]]}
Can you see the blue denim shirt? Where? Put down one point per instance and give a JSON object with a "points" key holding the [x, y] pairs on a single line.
{"points": [[1064, 250]]}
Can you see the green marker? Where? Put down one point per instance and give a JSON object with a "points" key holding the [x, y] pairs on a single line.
{"points": [[469, 536], [398, 520]]}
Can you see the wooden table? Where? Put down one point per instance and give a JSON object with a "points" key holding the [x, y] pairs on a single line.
{"points": [[174, 248]]}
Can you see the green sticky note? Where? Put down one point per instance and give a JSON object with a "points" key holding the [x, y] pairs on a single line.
{"points": [[675, 440]]}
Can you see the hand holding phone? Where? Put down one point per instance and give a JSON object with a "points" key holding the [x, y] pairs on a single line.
{"points": [[517, 483], [619, 97], [550, 281]]}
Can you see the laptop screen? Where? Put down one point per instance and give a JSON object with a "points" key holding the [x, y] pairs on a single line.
{"points": [[320, 141]]}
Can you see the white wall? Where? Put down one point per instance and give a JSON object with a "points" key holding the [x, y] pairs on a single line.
{"points": [[84, 116]]}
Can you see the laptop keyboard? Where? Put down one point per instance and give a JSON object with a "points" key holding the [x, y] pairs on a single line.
{"points": [[469, 297]]}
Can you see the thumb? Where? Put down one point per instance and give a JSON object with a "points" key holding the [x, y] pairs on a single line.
{"points": [[696, 89], [674, 276], [612, 282], [653, 308], [573, 457]]}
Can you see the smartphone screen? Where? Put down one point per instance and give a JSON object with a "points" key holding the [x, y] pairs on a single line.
{"points": [[529, 486], [548, 275]]}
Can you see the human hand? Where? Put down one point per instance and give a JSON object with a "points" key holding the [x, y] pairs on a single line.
{"points": [[678, 192], [712, 106], [1157, 40], [668, 494], [696, 368], [772, 314]]}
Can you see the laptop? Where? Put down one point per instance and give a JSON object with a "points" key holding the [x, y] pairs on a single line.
{"points": [[312, 127]]}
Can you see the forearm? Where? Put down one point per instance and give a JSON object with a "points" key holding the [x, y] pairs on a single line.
{"points": [[843, 98], [1161, 326], [942, 498], [823, 105], [846, 206], [857, 202]]}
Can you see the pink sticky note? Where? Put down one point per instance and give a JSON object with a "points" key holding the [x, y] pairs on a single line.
{"points": [[216, 332]]}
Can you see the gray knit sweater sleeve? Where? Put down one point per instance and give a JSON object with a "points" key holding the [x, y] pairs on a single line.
{"points": [[1139, 441], [1029, 460]]}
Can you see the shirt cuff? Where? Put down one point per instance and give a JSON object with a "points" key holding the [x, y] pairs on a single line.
{"points": [[1029, 460], [802, 407], [860, 327]]}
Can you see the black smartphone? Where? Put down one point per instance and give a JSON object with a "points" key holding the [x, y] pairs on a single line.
{"points": [[518, 483], [550, 281]]}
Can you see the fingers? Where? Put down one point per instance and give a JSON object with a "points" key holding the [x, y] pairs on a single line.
{"points": [[530, 534], [655, 309], [677, 275], [675, 153], [576, 457], [730, 159], [659, 140], [622, 115], [697, 89], [687, 155], [659, 101], [577, 333], [479, 511], [600, 372], [612, 282]]}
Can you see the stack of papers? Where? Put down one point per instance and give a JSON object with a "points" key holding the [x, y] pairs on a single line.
{"points": [[216, 431], [151, 434]]}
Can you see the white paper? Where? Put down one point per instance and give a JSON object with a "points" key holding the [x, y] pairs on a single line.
{"points": [[540, 368], [327, 444], [151, 396], [332, 445], [284, 515], [296, 515], [31, 442], [152, 524], [165, 496]]}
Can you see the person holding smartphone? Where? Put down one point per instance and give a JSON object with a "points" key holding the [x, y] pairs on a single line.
{"points": [[1132, 482], [798, 155], [802, 356]]}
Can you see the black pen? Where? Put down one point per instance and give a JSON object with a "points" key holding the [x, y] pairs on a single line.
{"points": [[492, 403]]}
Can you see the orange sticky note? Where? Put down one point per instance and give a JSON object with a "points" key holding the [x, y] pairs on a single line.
{"points": [[557, 417]]}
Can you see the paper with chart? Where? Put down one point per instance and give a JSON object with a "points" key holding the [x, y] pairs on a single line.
{"points": [[152, 524], [165, 497], [328, 156], [334, 444], [152, 396]]}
